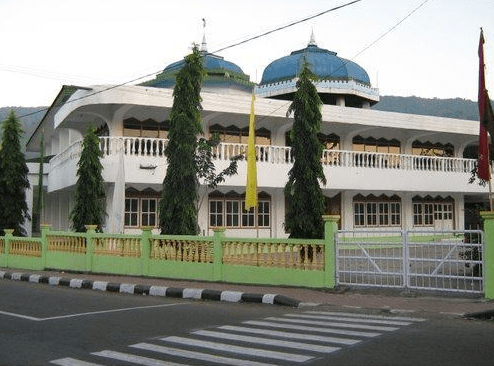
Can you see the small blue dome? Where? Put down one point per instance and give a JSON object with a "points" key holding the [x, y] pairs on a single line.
{"points": [[323, 63], [212, 63]]}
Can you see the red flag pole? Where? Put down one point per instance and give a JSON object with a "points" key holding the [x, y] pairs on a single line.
{"points": [[484, 168]]}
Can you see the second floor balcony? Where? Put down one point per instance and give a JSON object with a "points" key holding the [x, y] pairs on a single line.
{"points": [[145, 163]]}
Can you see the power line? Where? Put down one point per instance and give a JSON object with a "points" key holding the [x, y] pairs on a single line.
{"points": [[287, 26], [219, 50], [257, 37]]}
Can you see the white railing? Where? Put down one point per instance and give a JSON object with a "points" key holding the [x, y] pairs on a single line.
{"points": [[134, 146], [143, 146]]}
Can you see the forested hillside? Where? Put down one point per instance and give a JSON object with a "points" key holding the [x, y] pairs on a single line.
{"points": [[29, 119], [451, 108]]}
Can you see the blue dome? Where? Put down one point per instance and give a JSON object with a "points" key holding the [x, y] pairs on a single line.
{"points": [[323, 63], [212, 64]]}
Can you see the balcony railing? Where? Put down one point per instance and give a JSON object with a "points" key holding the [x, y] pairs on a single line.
{"points": [[142, 146]]}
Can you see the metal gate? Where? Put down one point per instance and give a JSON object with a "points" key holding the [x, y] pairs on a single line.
{"points": [[415, 259]]}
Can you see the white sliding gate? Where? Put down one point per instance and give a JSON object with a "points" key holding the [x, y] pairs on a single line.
{"points": [[432, 260]]}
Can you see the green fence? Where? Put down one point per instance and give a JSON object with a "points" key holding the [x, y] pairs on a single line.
{"points": [[292, 262]]}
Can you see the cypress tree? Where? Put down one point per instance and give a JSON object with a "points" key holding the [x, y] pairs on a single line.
{"points": [[13, 177], [90, 195], [178, 212], [304, 195]]}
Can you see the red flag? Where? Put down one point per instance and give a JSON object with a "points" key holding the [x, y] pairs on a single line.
{"points": [[486, 117]]}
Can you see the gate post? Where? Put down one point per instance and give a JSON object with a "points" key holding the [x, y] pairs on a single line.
{"points": [[330, 232], [488, 268]]}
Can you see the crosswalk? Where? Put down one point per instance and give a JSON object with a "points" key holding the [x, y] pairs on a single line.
{"points": [[290, 339]]}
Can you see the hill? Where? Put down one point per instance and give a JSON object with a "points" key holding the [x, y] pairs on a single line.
{"points": [[30, 118], [450, 108]]}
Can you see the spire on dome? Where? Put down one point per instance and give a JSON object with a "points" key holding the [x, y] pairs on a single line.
{"points": [[203, 44], [312, 41]]}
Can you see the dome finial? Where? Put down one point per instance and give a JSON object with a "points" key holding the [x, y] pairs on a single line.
{"points": [[203, 45], [312, 41]]}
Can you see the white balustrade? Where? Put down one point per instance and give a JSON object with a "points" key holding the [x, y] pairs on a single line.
{"points": [[144, 146]]}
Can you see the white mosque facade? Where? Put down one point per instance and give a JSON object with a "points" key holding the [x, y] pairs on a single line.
{"points": [[384, 170]]}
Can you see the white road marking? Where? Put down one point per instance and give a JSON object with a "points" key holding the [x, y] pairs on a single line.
{"points": [[237, 349], [84, 314], [349, 319], [73, 362], [267, 341], [197, 355], [357, 315], [135, 359], [334, 324], [312, 329], [302, 336]]}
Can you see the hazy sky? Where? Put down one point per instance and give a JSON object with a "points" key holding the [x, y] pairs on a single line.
{"points": [[48, 43]]}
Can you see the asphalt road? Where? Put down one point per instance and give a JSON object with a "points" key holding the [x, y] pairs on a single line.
{"points": [[46, 325]]}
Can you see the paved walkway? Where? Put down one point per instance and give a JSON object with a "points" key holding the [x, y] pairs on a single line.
{"points": [[385, 300]]}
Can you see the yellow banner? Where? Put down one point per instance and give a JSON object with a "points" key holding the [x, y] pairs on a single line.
{"points": [[251, 188]]}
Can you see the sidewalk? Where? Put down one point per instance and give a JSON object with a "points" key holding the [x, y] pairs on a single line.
{"points": [[378, 299]]}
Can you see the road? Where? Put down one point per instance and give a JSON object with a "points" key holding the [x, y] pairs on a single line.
{"points": [[46, 325]]}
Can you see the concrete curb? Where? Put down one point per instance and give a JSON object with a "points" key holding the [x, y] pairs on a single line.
{"points": [[184, 293]]}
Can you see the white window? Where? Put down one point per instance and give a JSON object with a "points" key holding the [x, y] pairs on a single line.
{"points": [[215, 213], [376, 213], [131, 212], [141, 212], [429, 213], [232, 214]]}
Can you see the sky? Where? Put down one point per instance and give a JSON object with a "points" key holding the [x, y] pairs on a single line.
{"points": [[49, 43]]}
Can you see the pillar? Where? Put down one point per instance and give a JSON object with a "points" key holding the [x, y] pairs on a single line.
{"points": [[330, 232], [488, 268]]}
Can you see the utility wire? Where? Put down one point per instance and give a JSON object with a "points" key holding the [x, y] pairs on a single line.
{"points": [[253, 38], [219, 50], [409, 14]]}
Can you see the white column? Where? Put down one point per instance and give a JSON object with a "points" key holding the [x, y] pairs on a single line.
{"points": [[406, 211], [278, 214], [347, 210], [340, 101], [29, 200], [459, 212]]}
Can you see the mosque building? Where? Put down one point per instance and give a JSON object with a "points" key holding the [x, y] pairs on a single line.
{"points": [[384, 170]]}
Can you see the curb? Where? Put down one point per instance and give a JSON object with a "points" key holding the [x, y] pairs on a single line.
{"points": [[184, 293], [480, 315]]}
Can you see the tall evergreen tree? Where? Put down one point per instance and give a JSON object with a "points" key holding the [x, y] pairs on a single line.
{"points": [[304, 195], [178, 212], [13, 177], [90, 195]]}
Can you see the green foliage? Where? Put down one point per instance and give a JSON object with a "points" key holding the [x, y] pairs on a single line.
{"points": [[178, 212], [205, 166], [90, 196], [304, 195], [13, 177]]}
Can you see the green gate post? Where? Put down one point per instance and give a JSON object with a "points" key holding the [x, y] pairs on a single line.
{"points": [[219, 233], [9, 235], [488, 268], [330, 231], [90, 231], [145, 249], [45, 229]]}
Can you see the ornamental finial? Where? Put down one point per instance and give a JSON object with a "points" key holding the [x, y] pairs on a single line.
{"points": [[203, 45], [312, 41]]}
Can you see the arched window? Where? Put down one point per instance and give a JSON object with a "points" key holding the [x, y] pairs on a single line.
{"points": [[381, 145], [234, 134], [147, 128], [228, 210], [432, 149], [372, 211]]}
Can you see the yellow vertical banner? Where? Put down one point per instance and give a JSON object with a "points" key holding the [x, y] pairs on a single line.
{"points": [[251, 188]]}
